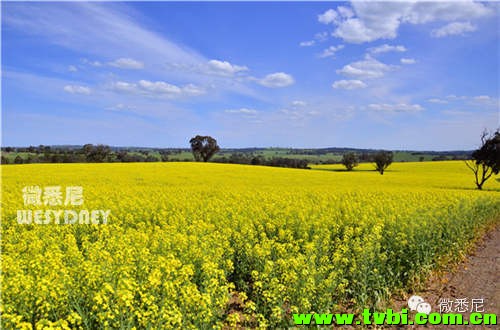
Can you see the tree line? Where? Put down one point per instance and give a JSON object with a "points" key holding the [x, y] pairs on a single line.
{"points": [[484, 162], [88, 153]]}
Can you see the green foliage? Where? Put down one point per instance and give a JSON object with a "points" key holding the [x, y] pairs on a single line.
{"points": [[18, 160], [203, 147], [96, 154], [382, 160], [350, 160]]}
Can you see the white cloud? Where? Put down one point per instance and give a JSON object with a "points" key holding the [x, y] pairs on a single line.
{"points": [[348, 84], [124, 87], [387, 48], [455, 97], [329, 16], [225, 68], [298, 114], [307, 43], [97, 29], [408, 61], [368, 68], [400, 107], [107, 31], [372, 21], [333, 16], [456, 112], [299, 103], [479, 100], [277, 80], [157, 88], [437, 101], [381, 20], [455, 28], [193, 90], [127, 63], [72, 68], [243, 111], [427, 12], [92, 63], [482, 98], [76, 89], [330, 51], [485, 101], [121, 107], [345, 12], [321, 36]]}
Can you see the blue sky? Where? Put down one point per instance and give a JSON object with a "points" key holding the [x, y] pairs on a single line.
{"points": [[398, 75]]}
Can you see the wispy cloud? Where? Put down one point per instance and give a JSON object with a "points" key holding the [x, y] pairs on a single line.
{"points": [[330, 51], [456, 97], [408, 61], [349, 84], [91, 63], [242, 111], [157, 88], [318, 37], [75, 89], [394, 108], [121, 107], [103, 30], [437, 101], [308, 43], [127, 63], [299, 103], [483, 101], [114, 35], [387, 48], [455, 28]]}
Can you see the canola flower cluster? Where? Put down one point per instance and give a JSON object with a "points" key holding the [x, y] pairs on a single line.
{"points": [[198, 246]]}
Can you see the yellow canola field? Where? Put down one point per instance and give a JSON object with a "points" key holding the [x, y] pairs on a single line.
{"points": [[198, 246]]}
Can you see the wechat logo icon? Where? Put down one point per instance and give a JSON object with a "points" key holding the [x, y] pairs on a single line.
{"points": [[417, 303]]}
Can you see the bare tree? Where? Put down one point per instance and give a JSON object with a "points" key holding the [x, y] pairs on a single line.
{"points": [[486, 160]]}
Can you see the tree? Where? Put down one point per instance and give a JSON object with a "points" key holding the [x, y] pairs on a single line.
{"points": [[164, 155], [87, 148], [203, 147], [486, 160], [18, 160], [350, 160], [382, 160], [96, 154]]}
